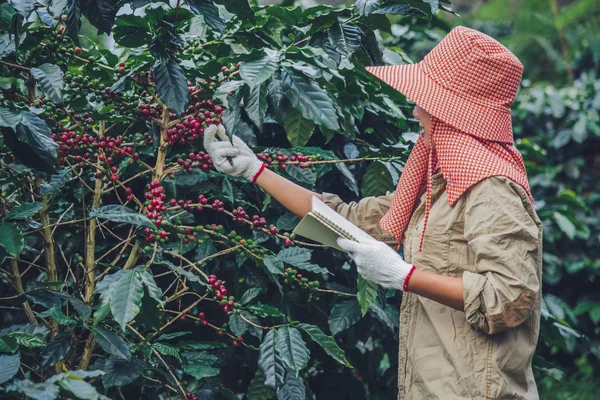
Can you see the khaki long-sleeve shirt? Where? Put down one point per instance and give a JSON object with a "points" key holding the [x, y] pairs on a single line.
{"points": [[492, 238]]}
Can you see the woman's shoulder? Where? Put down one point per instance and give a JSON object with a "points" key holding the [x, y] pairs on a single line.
{"points": [[498, 187], [501, 195]]}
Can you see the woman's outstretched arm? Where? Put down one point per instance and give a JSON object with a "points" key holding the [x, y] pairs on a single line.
{"points": [[292, 196]]}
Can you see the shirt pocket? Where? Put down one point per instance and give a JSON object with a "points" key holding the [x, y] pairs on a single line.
{"points": [[460, 255], [434, 254]]}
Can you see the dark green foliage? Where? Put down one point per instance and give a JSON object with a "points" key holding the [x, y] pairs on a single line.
{"points": [[131, 309]]}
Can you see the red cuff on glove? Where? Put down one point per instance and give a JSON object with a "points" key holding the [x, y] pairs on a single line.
{"points": [[258, 172], [405, 284]]}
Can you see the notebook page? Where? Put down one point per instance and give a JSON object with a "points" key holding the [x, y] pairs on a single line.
{"points": [[313, 228], [324, 211]]}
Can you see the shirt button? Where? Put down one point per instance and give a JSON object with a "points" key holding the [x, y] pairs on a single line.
{"points": [[404, 319]]}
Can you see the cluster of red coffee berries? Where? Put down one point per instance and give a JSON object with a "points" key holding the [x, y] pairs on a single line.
{"points": [[283, 159], [220, 293], [239, 215], [155, 203], [201, 160], [259, 222], [202, 318], [149, 111], [217, 205], [69, 142], [292, 276]]}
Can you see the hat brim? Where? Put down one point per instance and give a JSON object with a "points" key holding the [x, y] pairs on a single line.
{"points": [[470, 117]]}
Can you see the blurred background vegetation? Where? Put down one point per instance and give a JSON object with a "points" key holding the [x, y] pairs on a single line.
{"points": [[557, 129]]}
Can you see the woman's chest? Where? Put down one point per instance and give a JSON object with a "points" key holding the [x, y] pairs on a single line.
{"points": [[444, 249]]}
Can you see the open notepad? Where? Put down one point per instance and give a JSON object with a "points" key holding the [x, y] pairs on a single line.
{"points": [[322, 224]]}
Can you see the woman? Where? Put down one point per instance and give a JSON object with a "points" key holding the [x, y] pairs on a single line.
{"points": [[462, 213]]}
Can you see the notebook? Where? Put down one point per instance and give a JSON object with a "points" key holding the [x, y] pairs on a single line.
{"points": [[322, 224]]}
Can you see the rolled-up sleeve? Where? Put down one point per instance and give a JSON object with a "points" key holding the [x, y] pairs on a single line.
{"points": [[365, 213], [502, 290]]}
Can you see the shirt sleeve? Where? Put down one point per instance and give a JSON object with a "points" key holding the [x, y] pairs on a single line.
{"points": [[365, 213], [505, 239]]}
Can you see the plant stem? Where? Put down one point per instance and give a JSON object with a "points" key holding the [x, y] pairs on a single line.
{"points": [[19, 286], [90, 242]]}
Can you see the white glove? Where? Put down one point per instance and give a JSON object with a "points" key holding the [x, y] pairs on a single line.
{"points": [[235, 159], [377, 262]]}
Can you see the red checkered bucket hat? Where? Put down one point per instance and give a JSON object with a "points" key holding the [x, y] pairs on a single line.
{"points": [[467, 83]]}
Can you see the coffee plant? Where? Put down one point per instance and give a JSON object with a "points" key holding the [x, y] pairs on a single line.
{"points": [[131, 268]]}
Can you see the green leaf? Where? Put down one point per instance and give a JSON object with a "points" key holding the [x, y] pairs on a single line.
{"points": [[153, 290], [292, 348], [173, 335], [258, 390], [83, 309], [241, 8], [348, 177], [237, 325], [343, 315], [298, 129], [308, 98], [121, 373], [57, 349], [119, 213], [9, 366], [273, 264], [126, 298], [58, 316], [25, 210], [326, 342], [6, 14], [7, 45], [270, 362], [367, 293], [257, 71], [345, 38], [306, 266], [80, 389], [23, 7], [205, 249], [304, 175], [294, 255], [377, 180], [200, 371], [379, 313], [209, 12], [26, 339], [112, 343], [255, 104], [265, 310], [565, 225], [36, 391], [366, 7], [32, 143], [293, 389], [201, 345], [167, 350], [171, 84], [11, 238], [73, 21], [101, 14], [50, 78], [40, 331], [131, 31], [250, 295], [9, 118], [231, 116], [402, 9], [200, 357]]}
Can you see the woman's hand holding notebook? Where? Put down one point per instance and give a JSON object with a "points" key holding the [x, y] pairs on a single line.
{"points": [[324, 225]]}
